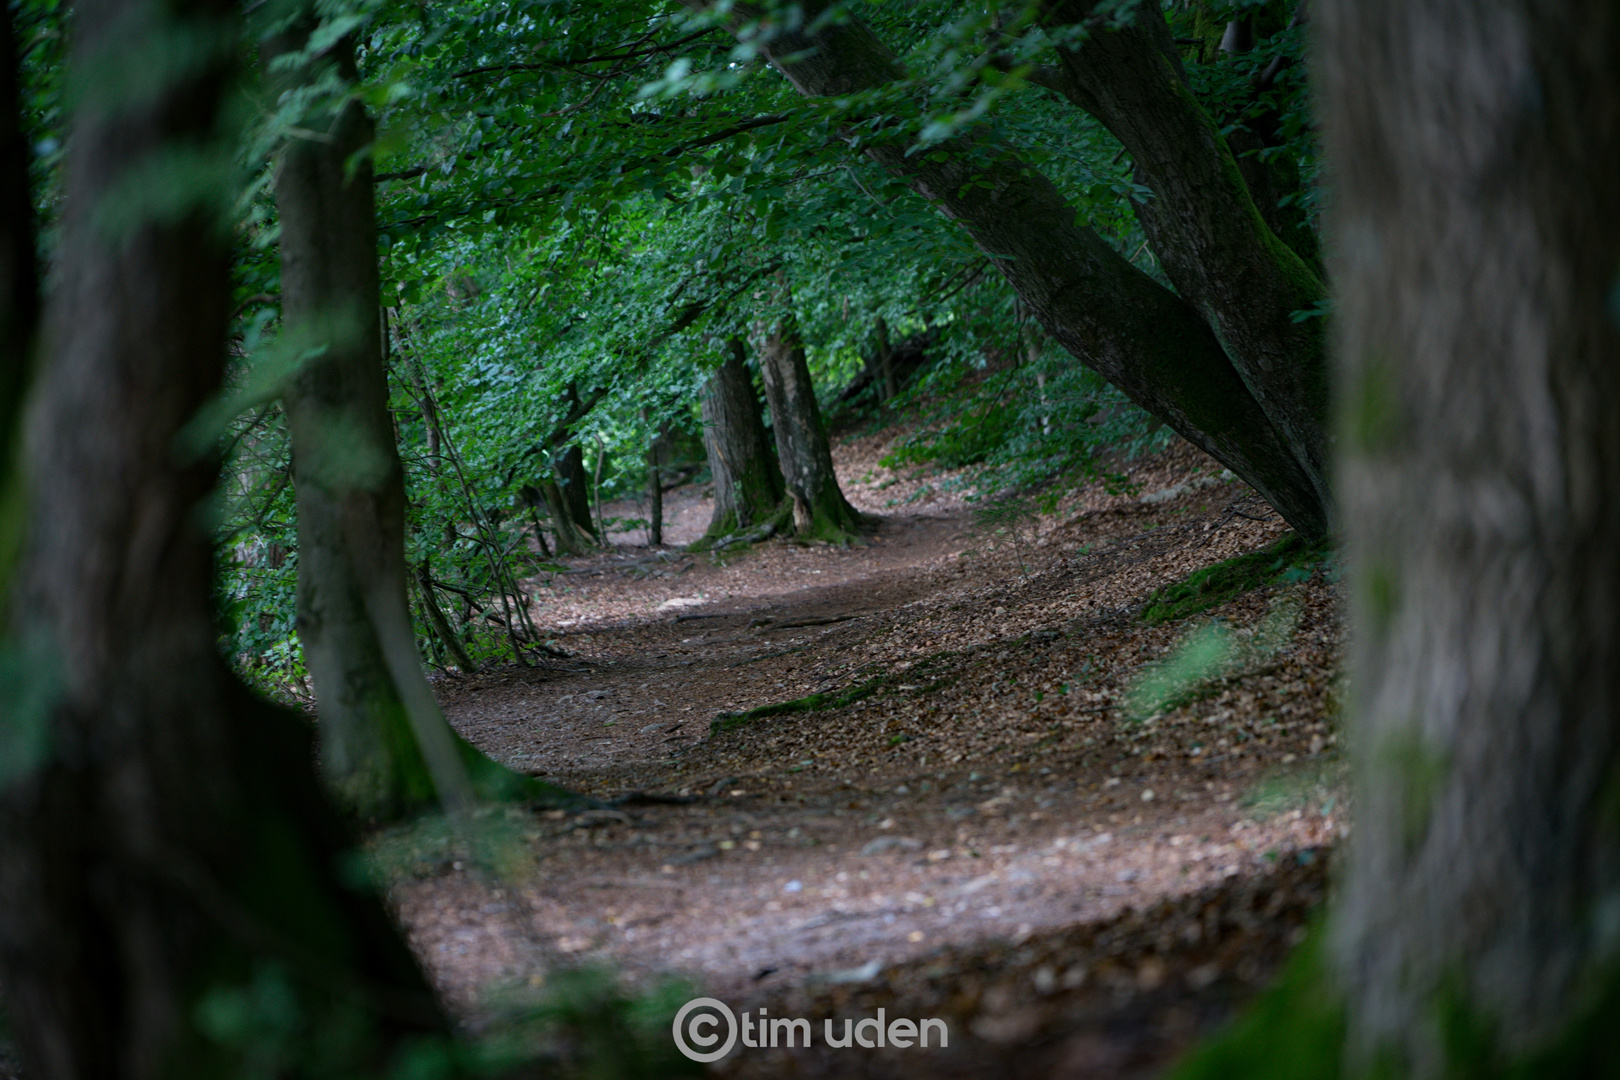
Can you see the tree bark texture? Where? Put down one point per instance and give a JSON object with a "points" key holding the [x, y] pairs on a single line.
{"points": [[1204, 225], [1476, 246], [172, 849], [819, 507], [748, 486], [385, 746], [570, 541], [348, 481], [575, 484], [1148, 342]]}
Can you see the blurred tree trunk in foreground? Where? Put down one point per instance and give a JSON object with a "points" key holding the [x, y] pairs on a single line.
{"points": [[1475, 151], [168, 863]]}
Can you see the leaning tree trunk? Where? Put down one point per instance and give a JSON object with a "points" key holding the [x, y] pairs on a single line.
{"points": [[1203, 224], [1141, 337], [748, 486], [819, 507], [385, 746], [167, 859], [1475, 151]]}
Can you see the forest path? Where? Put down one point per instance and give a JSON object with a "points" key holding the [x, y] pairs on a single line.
{"points": [[968, 800]]}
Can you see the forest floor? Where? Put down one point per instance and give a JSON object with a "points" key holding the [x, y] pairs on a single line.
{"points": [[969, 822]]}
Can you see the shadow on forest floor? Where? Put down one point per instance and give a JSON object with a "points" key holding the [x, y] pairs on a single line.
{"points": [[903, 776]]}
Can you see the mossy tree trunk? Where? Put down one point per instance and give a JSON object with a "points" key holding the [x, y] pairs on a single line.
{"points": [[820, 510], [1203, 223], [748, 488], [385, 746], [1475, 151], [167, 856], [1150, 343]]}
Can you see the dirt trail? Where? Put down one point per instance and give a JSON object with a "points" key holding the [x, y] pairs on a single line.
{"points": [[962, 812]]}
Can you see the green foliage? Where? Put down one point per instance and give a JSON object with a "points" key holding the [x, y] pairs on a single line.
{"points": [[1289, 558], [1295, 1031], [1017, 425], [578, 203], [1316, 785], [1007, 520], [1209, 653], [584, 1024]]}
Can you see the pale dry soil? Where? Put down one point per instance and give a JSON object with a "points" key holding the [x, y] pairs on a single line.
{"points": [[986, 834]]}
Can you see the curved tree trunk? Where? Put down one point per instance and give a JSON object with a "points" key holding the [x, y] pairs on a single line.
{"points": [[748, 485], [169, 853], [1148, 342], [1203, 223], [385, 746], [819, 507], [1475, 151]]}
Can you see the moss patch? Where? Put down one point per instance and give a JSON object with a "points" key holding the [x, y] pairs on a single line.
{"points": [[1289, 558], [833, 699], [1295, 1031]]}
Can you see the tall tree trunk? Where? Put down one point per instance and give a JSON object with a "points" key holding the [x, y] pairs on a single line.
{"points": [[888, 387], [1203, 224], [819, 507], [1148, 342], [1475, 151], [748, 485], [655, 489], [168, 854], [385, 746], [575, 484]]}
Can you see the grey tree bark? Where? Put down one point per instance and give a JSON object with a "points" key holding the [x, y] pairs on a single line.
{"points": [[748, 487], [819, 507], [1148, 342], [167, 843], [385, 746], [1475, 150]]}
